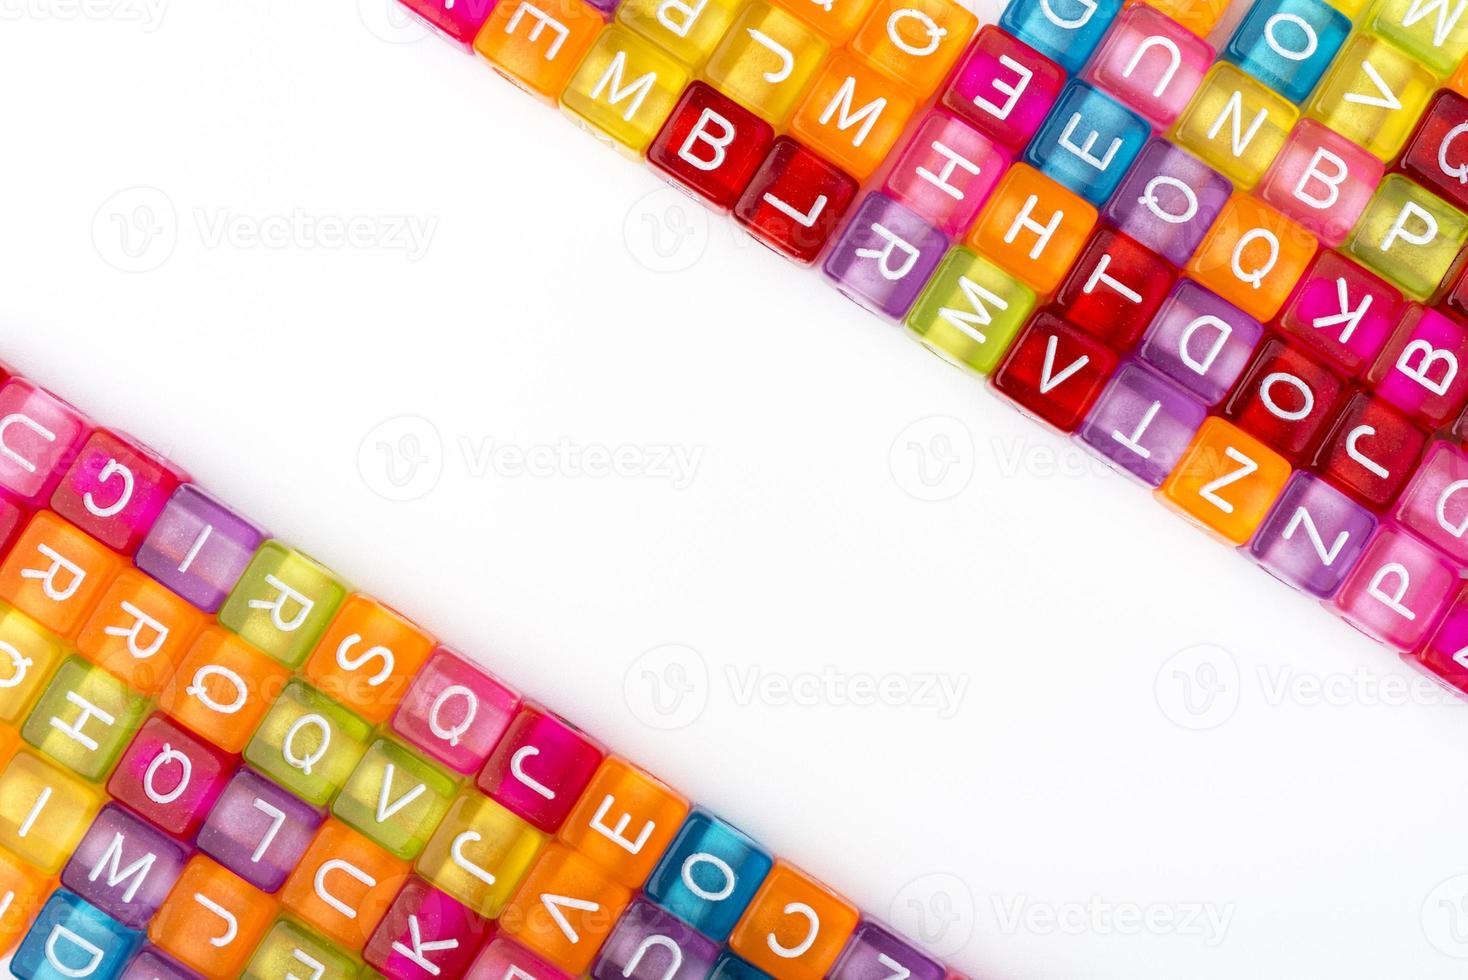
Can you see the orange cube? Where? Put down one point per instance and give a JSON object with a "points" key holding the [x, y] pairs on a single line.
{"points": [[915, 41], [212, 920], [564, 909], [1198, 16], [55, 573], [9, 742], [624, 821], [795, 927], [367, 657], [1459, 82], [344, 885], [222, 688], [23, 891], [1252, 256], [1033, 228], [1226, 481], [138, 631], [835, 20], [537, 45], [852, 115]]}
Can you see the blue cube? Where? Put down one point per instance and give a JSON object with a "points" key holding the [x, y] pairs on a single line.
{"points": [[709, 874], [1288, 44], [1065, 31], [72, 939], [1087, 142], [731, 967]]}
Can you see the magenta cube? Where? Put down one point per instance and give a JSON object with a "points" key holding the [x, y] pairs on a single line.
{"points": [[258, 830], [170, 777], [1142, 423], [539, 768], [884, 257], [1200, 340], [1342, 311], [426, 935], [946, 172], [1150, 63], [455, 712], [1421, 370], [1321, 180], [648, 943], [457, 20], [1445, 654], [124, 867], [152, 963], [1435, 503], [199, 547], [39, 437], [1397, 589], [1168, 200], [1004, 87], [116, 489], [875, 953], [1312, 536], [501, 958]]}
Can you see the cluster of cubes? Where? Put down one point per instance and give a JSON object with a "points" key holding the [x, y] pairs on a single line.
{"points": [[219, 760], [1240, 281]]}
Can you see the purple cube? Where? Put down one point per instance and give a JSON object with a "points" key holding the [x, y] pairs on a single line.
{"points": [[874, 953], [258, 830], [650, 944], [1142, 423], [1168, 200], [198, 547], [884, 257], [124, 866], [151, 964], [1200, 341], [1312, 536]]}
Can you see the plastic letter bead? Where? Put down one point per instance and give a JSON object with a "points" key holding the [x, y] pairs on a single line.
{"points": [[711, 145], [212, 920], [138, 631], [709, 874], [970, 310], [874, 952], [198, 547], [537, 45], [1200, 341], [1372, 95], [1226, 481], [1434, 503], [152, 964], [72, 939], [480, 853], [116, 489], [795, 927], [1312, 537], [945, 172], [1409, 236], [649, 944], [688, 32], [283, 602], [884, 257], [289, 950], [502, 958], [425, 934], [1066, 31], [169, 777], [44, 811], [1436, 155], [766, 61], [1032, 228], [55, 573], [1168, 201], [1235, 124], [367, 657], [852, 115], [343, 885], [1396, 590], [1252, 256], [1087, 142], [564, 909], [458, 21], [1198, 16], [1005, 88], [308, 743], [455, 712], [1286, 399], [84, 719], [540, 767], [40, 435], [124, 867], [1433, 33], [394, 798], [1321, 181], [915, 41], [258, 830], [28, 655], [1370, 451], [1150, 64], [1343, 312], [624, 90], [222, 688], [1114, 289], [1288, 44], [1142, 424], [23, 890], [795, 201], [1439, 655], [1421, 369], [834, 20], [624, 821], [1054, 372]]}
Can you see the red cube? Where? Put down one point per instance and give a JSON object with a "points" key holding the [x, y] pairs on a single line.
{"points": [[795, 201], [1286, 399], [1436, 156], [1114, 288], [1054, 371], [171, 778], [711, 145], [1370, 451]]}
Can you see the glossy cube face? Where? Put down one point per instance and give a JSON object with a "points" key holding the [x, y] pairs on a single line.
{"points": [[458, 21], [1065, 32], [1435, 504], [84, 719], [1235, 124], [343, 885], [28, 656], [1288, 44], [152, 964], [1396, 590], [115, 490], [40, 435], [624, 821], [1253, 256], [795, 201], [139, 631], [1115, 289], [212, 920], [1421, 371], [1434, 34], [222, 688], [970, 311], [1442, 654], [709, 874], [1197, 16], [564, 909], [1087, 142], [288, 949], [1372, 95], [540, 767], [1436, 152], [1343, 312], [70, 938], [711, 145], [455, 712], [915, 42], [1150, 64], [1321, 181], [1200, 341], [834, 20], [308, 743], [1370, 452], [367, 657], [852, 115], [283, 602], [795, 926], [874, 950], [503, 958], [1168, 201], [425, 934], [1032, 228], [1409, 236], [198, 547], [884, 257], [1287, 399], [946, 172], [124, 867], [480, 853], [44, 811], [55, 573], [537, 45], [766, 61], [1054, 372], [1005, 88], [23, 890], [258, 830], [394, 798], [170, 777], [1312, 537], [624, 90], [649, 944], [1142, 423], [688, 32], [1226, 481]]}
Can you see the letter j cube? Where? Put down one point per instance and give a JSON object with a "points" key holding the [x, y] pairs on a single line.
{"points": [[212, 920]]}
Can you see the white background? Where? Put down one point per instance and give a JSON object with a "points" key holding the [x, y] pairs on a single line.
{"points": [[1316, 801]]}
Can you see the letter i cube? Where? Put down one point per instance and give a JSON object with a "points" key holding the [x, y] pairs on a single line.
{"points": [[643, 926], [1005, 88], [258, 830], [198, 547], [39, 438], [540, 767], [170, 777], [795, 201], [212, 920], [115, 489], [795, 927], [1396, 591], [709, 874], [711, 145], [1150, 64], [44, 811], [425, 934], [884, 257], [69, 939], [457, 20]]}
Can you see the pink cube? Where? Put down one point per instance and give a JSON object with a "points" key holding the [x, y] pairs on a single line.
{"points": [[1342, 311], [1150, 63], [1004, 87], [1435, 503], [455, 712], [1321, 180], [116, 489], [1397, 590], [39, 437], [425, 934], [946, 171], [1424, 368], [1445, 654], [503, 958], [540, 767], [457, 20]]}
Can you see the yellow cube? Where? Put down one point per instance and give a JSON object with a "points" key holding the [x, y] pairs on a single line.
{"points": [[624, 90], [1435, 32], [28, 655], [766, 61], [1236, 124], [1409, 236], [686, 29], [44, 811], [1372, 95], [480, 853]]}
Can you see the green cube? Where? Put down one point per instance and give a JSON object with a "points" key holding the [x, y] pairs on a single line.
{"points": [[970, 311], [85, 718], [283, 602], [1408, 236], [395, 798], [289, 949], [308, 743]]}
